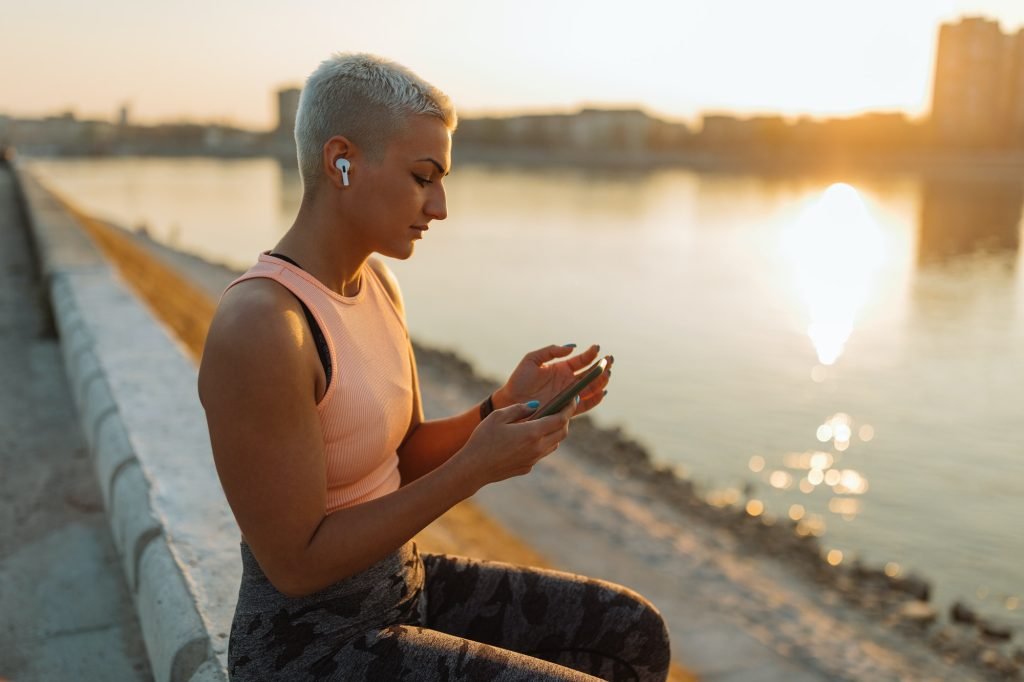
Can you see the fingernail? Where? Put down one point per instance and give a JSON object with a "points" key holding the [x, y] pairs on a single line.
{"points": [[533, 404], [605, 393], [611, 358], [577, 400], [568, 345]]}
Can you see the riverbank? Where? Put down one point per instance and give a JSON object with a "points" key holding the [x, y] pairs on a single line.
{"points": [[600, 507]]}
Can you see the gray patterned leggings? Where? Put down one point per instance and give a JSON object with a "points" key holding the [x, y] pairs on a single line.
{"points": [[446, 618]]}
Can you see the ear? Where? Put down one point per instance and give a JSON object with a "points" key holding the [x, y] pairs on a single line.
{"points": [[335, 147]]}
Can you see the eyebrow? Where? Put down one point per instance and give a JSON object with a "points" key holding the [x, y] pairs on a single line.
{"points": [[440, 168]]}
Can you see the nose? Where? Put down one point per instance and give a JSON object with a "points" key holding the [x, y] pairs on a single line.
{"points": [[437, 204]]}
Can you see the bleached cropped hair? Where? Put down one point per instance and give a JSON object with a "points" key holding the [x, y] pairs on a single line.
{"points": [[365, 98]]}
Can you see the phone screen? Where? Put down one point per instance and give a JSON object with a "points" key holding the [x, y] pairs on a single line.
{"points": [[562, 399]]}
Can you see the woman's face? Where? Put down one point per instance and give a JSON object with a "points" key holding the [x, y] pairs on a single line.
{"points": [[405, 189]]}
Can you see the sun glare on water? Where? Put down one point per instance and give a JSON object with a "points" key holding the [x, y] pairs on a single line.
{"points": [[834, 250]]}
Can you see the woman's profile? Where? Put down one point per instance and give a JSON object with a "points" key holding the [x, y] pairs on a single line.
{"points": [[312, 400]]}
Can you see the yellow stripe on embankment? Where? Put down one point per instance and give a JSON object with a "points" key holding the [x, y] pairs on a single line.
{"points": [[187, 310]]}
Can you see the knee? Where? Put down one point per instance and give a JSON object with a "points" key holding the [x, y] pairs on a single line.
{"points": [[651, 644]]}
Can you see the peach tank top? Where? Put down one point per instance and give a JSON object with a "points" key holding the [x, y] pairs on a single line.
{"points": [[367, 408]]}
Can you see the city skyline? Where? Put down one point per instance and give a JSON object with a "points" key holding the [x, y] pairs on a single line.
{"points": [[817, 59]]}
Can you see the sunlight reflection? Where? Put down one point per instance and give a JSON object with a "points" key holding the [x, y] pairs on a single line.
{"points": [[834, 249], [839, 429], [821, 460], [812, 524], [781, 480], [844, 506]]}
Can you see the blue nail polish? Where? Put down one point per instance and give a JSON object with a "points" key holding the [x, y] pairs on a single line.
{"points": [[568, 345], [533, 404]]}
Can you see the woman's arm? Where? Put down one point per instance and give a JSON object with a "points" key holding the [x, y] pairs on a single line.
{"points": [[429, 444], [432, 443], [257, 385]]}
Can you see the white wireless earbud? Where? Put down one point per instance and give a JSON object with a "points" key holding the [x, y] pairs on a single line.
{"points": [[343, 165]]}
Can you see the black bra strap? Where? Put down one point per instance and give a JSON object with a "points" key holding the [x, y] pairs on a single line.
{"points": [[318, 336]]}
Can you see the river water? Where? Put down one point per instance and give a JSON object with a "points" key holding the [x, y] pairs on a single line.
{"points": [[847, 351]]}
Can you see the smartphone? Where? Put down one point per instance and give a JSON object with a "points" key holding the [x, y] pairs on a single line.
{"points": [[557, 403]]}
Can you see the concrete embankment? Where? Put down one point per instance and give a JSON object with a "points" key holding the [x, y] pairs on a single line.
{"points": [[135, 394], [65, 610]]}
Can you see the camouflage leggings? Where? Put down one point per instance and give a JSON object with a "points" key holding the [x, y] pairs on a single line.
{"points": [[446, 618]]}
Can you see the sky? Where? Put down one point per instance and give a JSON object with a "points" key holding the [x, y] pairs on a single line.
{"points": [[222, 61]]}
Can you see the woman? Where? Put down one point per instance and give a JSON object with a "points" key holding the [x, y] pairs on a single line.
{"points": [[314, 412]]}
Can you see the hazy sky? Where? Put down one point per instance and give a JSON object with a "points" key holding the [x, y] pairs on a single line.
{"points": [[221, 61]]}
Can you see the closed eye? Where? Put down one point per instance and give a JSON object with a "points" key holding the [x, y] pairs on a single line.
{"points": [[422, 181]]}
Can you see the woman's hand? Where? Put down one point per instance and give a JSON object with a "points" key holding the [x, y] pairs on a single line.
{"points": [[502, 446], [544, 373]]}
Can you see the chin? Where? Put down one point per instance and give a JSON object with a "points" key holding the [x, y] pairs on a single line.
{"points": [[400, 253]]}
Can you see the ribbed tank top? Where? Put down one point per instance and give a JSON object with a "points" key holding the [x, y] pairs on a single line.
{"points": [[367, 408]]}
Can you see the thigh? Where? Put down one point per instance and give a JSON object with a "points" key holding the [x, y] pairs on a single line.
{"points": [[414, 654], [592, 625]]}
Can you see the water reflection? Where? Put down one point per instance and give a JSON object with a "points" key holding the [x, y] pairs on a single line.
{"points": [[960, 217], [834, 250], [289, 193]]}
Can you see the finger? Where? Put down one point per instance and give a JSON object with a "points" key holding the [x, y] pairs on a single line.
{"points": [[590, 402], [569, 410], [515, 412], [550, 443], [584, 359], [553, 423], [598, 385], [548, 353], [601, 381]]}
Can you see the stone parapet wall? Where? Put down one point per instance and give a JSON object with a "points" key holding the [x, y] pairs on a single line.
{"points": [[135, 391]]}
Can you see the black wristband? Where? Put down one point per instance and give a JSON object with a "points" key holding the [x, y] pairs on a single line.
{"points": [[486, 407]]}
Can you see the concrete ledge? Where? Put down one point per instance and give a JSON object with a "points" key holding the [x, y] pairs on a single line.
{"points": [[135, 390]]}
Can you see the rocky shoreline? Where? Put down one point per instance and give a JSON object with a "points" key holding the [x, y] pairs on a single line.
{"points": [[897, 601]]}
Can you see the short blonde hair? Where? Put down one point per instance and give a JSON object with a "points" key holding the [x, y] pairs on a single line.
{"points": [[365, 98]]}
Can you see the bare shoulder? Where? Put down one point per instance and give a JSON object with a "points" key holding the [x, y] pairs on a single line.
{"points": [[389, 281], [256, 384], [256, 321]]}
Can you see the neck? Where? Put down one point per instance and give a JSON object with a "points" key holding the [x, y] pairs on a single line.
{"points": [[326, 248]]}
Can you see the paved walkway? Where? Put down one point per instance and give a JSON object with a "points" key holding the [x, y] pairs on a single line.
{"points": [[65, 612]]}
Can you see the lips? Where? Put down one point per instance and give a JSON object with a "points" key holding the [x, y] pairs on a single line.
{"points": [[421, 228]]}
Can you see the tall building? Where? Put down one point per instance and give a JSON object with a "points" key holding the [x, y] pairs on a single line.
{"points": [[287, 106], [978, 98]]}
